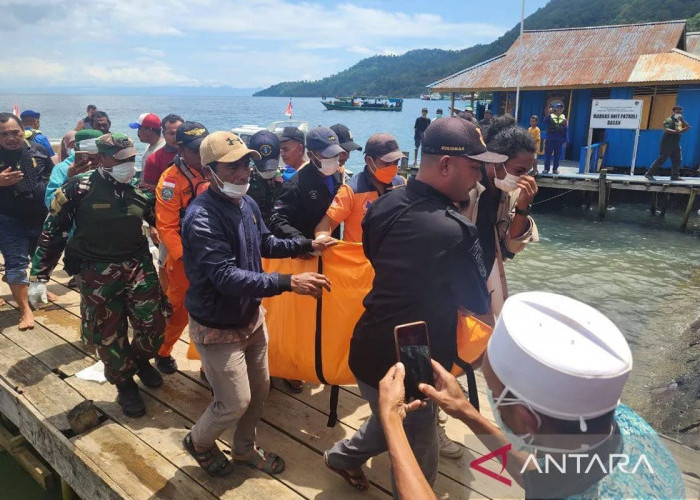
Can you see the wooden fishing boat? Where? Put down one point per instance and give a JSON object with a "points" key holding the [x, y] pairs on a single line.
{"points": [[364, 103]]}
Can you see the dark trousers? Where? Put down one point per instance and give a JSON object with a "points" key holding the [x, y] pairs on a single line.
{"points": [[552, 151], [675, 156]]}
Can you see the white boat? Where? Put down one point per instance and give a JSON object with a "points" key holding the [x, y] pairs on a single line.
{"points": [[245, 132]]}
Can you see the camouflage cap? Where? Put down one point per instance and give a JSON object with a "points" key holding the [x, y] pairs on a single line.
{"points": [[118, 146]]}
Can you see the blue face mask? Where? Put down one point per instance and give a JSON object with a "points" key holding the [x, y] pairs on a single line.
{"points": [[524, 442], [520, 443]]}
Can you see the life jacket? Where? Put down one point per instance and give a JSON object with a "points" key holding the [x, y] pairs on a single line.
{"points": [[556, 123], [196, 189], [30, 134]]}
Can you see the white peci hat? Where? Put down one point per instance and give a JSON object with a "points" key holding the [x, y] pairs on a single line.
{"points": [[563, 357]]}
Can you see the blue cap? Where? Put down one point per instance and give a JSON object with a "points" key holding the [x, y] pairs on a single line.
{"points": [[323, 140], [28, 113], [268, 145]]}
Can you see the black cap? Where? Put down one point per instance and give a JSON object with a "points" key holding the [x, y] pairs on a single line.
{"points": [[384, 147], [345, 138], [292, 134], [191, 134], [458, 137], [268, 145], [323, 140]]}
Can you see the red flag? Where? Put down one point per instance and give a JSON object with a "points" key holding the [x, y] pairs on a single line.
{"points": [[288, 112], [15, 110]]}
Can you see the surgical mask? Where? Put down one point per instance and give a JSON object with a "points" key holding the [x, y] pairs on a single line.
{"points": [[270, 174], [233, 191], [385, 174], [678, 116], [524, 442], [508, 184], [329, 166], [123, 172]]}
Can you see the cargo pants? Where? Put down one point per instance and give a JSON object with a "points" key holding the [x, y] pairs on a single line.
{"points": [[177, 286], [113, 293]]}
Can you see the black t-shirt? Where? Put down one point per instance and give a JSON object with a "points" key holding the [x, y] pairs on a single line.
{"points": [[421, 124], [486, 220], [427, 262]]}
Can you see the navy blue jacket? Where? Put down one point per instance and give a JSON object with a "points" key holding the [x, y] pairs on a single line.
{"points": [[223, 243]]}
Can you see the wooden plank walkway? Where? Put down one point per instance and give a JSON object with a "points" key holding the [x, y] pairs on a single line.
{"points": [[144, 457]]}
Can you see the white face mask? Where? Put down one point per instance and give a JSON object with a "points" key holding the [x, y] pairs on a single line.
{"points": [[678, 116], [329, 166], [268, 175], [508, 183], [233, 191], [123, 172]]}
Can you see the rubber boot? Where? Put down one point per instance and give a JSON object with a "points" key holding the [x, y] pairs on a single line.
{"points": [[129, 398]]}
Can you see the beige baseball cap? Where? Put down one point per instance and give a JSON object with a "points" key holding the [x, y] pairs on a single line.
{"points": [[225, 147]]}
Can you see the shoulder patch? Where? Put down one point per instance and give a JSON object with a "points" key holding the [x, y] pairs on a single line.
{"points": [[166, 193]]}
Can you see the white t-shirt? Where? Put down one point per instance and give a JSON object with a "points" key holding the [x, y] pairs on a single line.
{"points": [[150, 150]]}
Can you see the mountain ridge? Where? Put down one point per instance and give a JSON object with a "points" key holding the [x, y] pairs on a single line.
{"points": [[408, 74]]}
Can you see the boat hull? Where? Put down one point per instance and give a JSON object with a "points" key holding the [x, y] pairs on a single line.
{"points": [[348, 107]]}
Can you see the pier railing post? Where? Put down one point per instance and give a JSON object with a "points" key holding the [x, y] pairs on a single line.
{"points": [[602, 193], [688, 209]]}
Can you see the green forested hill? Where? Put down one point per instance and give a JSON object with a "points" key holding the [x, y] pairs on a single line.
{"points": [[408, 74]]}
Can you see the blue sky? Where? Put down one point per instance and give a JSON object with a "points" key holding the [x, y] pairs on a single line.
{"points": [[251, 43]]}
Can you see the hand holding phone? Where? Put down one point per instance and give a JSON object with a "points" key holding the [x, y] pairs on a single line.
{"points": [[413, 350]]}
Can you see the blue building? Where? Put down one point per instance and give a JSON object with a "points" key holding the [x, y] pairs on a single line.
{"points": [[658, 63]]}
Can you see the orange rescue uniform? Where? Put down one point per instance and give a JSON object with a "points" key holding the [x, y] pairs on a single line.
{"points": [[352, 201], [174, 192]]}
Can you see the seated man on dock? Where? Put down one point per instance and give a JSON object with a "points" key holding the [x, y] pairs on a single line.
{"points": [[224, 239], [110, 253], [555, 370]]}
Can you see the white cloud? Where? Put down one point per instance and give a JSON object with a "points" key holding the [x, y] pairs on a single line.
{"points": [[30, 68], [242, 43]]}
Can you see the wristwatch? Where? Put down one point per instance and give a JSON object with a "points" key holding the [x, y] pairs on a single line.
{"points": [[525, 212]]}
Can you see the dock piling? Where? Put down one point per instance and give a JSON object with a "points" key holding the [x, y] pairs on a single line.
{"points": [[688, 209], [602, 193]]}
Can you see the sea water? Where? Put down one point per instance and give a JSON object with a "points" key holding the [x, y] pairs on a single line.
{"points": [[637, 269]]}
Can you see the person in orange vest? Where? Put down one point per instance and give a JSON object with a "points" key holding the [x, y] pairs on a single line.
{"points": [[177, 187], [382, 154]]}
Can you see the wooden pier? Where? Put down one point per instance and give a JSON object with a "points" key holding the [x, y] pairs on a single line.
{"points": [[143, 458], [604, 181]]}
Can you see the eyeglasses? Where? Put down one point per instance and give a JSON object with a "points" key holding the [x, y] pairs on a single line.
{"points": [[12, 133]]}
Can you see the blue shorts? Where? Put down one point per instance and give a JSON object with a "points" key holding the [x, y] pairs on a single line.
{"points": [[18, 240]]}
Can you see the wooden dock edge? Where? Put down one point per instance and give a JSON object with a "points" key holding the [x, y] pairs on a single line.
{"points": [[76, 468]]}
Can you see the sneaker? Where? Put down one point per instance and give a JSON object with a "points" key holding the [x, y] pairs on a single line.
{"points": [[166, 364], [555, 172], [448, 448], [129, 398], [149, 375]]}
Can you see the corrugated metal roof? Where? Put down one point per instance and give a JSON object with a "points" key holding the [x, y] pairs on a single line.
{"points": [[692, 42], [674, 66], [574, 57]]}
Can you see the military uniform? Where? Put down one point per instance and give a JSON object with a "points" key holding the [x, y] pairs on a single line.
{"points": [[110, 252], [265, 192], [176, 188]]}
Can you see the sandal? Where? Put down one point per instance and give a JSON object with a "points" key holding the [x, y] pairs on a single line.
{"points": [[266, 461], [295, 386], [213, 461], [358, 481]]}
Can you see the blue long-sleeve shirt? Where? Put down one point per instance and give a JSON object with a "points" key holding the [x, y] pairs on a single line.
{"points": [[223, 244], [59, 175]]}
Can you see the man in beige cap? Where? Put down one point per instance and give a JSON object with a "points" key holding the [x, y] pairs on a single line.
{"points": [[110, 253], [223, 239], [555, 370]]}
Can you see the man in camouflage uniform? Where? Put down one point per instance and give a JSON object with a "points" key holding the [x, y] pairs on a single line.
{"points": [[266, 178], [110, 253]]}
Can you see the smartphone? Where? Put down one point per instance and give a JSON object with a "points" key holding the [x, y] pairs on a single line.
{"points": [[413, 350], [81, 156]]}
